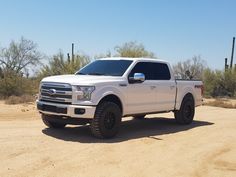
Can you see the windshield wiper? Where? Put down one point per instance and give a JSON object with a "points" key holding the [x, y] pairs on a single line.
{"points": [[97, 74], [80, 74]]}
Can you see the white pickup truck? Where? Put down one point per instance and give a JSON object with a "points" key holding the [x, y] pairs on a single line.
{"points": [[106, 90]]}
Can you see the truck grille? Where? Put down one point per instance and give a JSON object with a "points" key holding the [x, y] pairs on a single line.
{"points": [[56, 93]]}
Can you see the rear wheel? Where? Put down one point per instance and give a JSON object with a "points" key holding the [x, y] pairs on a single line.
{"points": [[106, 121], [51, 124], [187, 110]]}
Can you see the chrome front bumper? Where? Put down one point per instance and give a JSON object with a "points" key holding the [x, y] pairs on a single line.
{"points": [[75, 111]]}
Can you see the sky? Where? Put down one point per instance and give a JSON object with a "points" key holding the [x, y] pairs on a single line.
{"points": [[175, 30]]}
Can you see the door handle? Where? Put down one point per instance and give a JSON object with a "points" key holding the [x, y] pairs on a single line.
{"points": [[172, 87]]}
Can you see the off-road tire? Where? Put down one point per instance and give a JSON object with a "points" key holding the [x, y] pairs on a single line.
{"points": [[51, 124], [106, 121], [187, 110]]}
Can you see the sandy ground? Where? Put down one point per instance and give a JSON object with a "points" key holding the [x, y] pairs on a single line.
{"points": [[152, 147]]}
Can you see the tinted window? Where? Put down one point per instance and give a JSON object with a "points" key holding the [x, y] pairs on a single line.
{"points": [[106, 67], [152, 71]]}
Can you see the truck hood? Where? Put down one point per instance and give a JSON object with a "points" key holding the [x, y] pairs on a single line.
{"points": [[81, 79]]}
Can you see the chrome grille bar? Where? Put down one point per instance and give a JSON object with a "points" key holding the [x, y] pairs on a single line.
{"points": [[56, 92]]}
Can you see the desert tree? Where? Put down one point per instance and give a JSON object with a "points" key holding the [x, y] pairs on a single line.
{"points": [[133, 50], [20, 56], [15, 62], [191, 68], [103, 55], [59, 64]]}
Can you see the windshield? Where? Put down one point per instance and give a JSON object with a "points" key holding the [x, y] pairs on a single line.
{"points": [[106, 67]]}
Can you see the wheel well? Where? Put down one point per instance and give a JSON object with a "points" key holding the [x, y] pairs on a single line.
{"points": [[114, 99], [189, 95]]}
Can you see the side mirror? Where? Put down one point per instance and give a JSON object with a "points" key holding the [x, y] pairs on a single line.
{"points": [[138, 78]]}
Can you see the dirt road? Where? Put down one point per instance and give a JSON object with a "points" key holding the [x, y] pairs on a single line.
{"points": [[152, 147]]}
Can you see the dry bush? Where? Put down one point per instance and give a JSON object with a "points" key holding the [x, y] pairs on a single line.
{"points": [[220, 83], [20, 99], [220, 103]]}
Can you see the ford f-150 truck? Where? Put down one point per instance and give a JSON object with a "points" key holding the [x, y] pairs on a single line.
{"points": [[107, 89]]}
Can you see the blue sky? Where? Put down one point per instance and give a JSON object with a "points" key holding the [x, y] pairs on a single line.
{"points": [[173, 29]]}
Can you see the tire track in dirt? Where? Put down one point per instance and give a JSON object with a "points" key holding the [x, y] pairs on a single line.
{"points": [[218, 161]]}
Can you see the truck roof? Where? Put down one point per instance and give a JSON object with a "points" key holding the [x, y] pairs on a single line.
{"points": [[134, 59]]}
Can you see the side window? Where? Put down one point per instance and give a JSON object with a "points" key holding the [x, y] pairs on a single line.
{"points": [[145, 68], [162, 71], [152, 71]]}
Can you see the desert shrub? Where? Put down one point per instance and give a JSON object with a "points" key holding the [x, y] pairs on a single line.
{"points": [[133, 49], [15, 84], [20, 99], [220, 83], [220, 103], [58, 64]]}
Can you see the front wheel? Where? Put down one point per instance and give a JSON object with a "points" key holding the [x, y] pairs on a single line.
{"points": [[187, 110], [51, 124], [106, 121]]}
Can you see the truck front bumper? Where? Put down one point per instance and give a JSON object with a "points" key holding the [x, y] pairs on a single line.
{"points": [[74, 111]]}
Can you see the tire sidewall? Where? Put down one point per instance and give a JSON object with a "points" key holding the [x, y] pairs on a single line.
{"points": [[114, 109], [187, 102]]}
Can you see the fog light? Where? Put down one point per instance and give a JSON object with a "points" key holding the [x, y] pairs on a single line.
{"points": [[79, 111]]}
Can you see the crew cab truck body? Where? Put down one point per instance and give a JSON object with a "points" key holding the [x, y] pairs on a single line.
{"points": [[108, 89]]}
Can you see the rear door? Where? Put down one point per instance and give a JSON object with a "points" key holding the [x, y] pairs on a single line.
{"points": [[166, 87]]}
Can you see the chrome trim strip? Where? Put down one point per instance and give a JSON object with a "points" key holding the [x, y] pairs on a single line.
{"points": [[58, 95]]}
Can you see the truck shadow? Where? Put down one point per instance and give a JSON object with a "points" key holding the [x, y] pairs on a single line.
{"points": [[131, 129]]}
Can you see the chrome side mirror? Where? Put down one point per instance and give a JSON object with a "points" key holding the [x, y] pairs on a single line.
{"points": [[138, 78]]}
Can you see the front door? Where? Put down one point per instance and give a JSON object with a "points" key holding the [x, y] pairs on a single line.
{"points": [[142, 97]]}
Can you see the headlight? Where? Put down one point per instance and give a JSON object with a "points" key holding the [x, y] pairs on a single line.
{"points": [[84, 92]]}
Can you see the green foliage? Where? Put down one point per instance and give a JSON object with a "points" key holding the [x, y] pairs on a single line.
{"points": [[216, 83], [19, 57], [59, 65], [210, 82], [133, 50], [220, 83], [15, 62], [15, 84]]}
